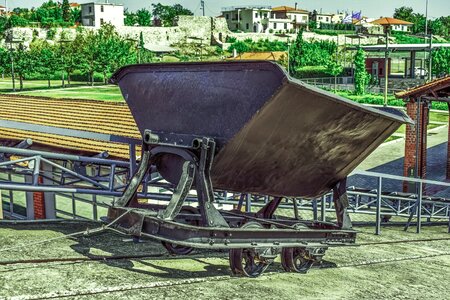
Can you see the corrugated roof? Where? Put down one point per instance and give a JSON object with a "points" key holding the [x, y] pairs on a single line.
{"points": [[391, 21], [82, 115], [443, 82], [270, 56]]}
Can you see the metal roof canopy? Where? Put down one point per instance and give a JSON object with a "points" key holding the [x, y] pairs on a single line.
{"points": [[401, 47]]}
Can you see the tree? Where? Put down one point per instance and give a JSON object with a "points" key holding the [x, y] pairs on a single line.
{"points": [[66, 13], [362, 78], [441, 61], [239, 46], [87, 47], [4, 61], [45, 59], [23, 63], [334, 69], [404, 13], [295, 53], [143, 17], [166, 15], [130, 18]]}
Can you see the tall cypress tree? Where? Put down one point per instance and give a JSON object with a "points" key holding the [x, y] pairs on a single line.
{"points": [[295, 53], [361, 76], [67, 14]]}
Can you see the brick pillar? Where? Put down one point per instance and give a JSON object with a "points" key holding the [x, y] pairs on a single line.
{"points": [[448, 146], [410, 143], [39, 203]]}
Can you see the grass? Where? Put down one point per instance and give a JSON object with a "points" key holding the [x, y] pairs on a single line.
{"points": [[78, 90]]}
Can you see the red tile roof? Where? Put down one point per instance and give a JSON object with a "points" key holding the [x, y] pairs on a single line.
{"points": [[288, 9], [391, 21]]}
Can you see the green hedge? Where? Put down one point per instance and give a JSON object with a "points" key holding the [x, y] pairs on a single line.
{"points": [[311, 72], [75, 76], [378, 99]]}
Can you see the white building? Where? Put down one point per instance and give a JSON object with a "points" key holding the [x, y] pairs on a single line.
{"points": [[247, 18], [96, 14], [2, 10], [285, 18], [322, 18], [265, 19]]}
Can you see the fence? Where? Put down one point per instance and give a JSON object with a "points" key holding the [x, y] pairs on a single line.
{"points": [[345, 84], [82, 193]]}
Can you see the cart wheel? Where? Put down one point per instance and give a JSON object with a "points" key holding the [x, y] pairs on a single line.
{"points": [[175, 249], [250, 262], [295, 260]]}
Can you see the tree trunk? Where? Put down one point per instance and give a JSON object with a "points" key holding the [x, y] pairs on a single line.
{"points": [[49, 84], [68, 79], [92, 78], [335, 83], [21, 82]]}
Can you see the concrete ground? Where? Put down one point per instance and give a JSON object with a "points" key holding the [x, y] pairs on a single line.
{"points": [[397, 271], [388, 159]]}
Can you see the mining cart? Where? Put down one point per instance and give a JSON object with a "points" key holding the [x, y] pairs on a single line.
{"points": [[243, 128]]}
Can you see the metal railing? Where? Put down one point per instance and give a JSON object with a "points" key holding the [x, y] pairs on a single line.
{"points": [[71, 181]]}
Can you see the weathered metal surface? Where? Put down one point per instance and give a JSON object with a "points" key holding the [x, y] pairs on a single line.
{"points": [[275, 135]]}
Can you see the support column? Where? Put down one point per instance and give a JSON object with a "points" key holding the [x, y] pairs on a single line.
{"points": [[412, 72], [448, 146], [415, 139], [39, 203]]}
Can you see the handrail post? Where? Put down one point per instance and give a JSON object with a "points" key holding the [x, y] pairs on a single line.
{"points": [[378, 212], [419, 207], [323, 210]]}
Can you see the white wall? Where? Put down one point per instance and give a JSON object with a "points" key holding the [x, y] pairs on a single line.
{"points": [[92, 14]]}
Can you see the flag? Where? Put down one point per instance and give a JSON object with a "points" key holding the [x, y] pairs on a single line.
{"points": [[356, 15], [347, 19]]}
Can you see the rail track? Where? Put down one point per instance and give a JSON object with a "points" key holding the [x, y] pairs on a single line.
{"points": [[161, 284], [215, 254]]}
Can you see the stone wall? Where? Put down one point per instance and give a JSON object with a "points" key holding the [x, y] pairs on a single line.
{"points": [[189, 30], [402, 83]]}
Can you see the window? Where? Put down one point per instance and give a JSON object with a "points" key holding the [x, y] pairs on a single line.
{"points": [[327, 19], [90, 9], [102, 21], [256, 15], [285, 25], [247, 26], [265, 15], [237, 26], [274, 25], [102, 9], [227, 16]]}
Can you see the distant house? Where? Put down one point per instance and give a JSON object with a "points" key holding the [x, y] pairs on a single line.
{"points": [[2, 10], [247, 18], [96, 14], [338, 17], [74, 5], [366, 26], [287, 18], [322, 18], [265, 19], [394, 24]]}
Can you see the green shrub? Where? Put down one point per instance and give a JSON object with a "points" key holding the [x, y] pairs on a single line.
{"points": [[51, 34], [311, 72]]}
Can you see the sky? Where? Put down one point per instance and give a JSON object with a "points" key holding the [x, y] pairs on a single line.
{"points": [[369, 8]]}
